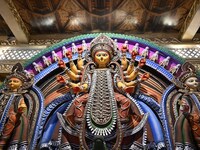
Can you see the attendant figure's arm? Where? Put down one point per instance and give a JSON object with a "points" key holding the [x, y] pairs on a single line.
{"points": [[22, 106]]}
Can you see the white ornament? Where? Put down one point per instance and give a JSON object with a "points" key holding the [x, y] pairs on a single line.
{"points": [[55, 56], [64, 49], [174, 69], [84, 45], [165, 62], [74, 48], [37, 67], [28, 74], [46, 61], [135, 48], [154, 57], [145, 52], [115, 44]]}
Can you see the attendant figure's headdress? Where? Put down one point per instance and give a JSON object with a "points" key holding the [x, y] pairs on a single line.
{"points": [[18, 72], [188, 70]]}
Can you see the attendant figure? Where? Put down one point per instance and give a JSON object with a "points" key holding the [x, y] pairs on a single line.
{"points": [[187, 125], [15, 127], [115, 43]]}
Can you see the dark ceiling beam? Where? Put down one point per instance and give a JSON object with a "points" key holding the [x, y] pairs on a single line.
{"points": [[90, 18], [55, 15], [110, 16], [14, 21], [192, 22], [147, 16]]}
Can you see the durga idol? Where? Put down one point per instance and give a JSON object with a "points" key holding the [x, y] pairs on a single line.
{"points": [[102, 115]]}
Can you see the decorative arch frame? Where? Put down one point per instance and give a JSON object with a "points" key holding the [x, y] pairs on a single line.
{"points": [[146, 102]]}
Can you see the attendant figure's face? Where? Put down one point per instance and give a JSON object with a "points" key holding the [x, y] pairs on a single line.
{"points": [[14, 84], [192, 83], [102, 58]]}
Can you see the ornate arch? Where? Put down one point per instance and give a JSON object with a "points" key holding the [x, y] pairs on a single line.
{"points": [[151, 98]]}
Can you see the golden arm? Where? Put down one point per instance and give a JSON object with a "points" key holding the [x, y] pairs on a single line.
{"points": [[124, 63], [74, 68], [131, 66], [72, 75], [80, 63]]}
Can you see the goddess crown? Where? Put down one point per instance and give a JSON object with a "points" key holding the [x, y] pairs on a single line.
{"points": [[102, 42]]}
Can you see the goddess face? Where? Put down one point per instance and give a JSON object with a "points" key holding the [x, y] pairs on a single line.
{"points": [[102, 58], [14, 84], [192, 83]]}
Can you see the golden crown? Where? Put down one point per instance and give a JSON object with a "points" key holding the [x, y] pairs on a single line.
{"points": [[102, 42]]}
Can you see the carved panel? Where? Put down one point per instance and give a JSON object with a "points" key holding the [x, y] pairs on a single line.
{"points": [[6, 66], [187, 52], [17, 17], [71, 16], [17, 54]]}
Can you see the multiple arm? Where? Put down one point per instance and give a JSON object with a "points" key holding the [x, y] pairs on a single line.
{"points": [[127, 83], [74, 73], [130, 73]]}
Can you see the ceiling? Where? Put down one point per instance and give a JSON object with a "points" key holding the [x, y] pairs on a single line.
{"points": [[43, 19]]}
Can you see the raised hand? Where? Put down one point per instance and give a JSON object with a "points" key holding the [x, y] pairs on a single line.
{"points": [[60, 79], [142, 62], [133, 55], [129, 89], [61, 64], [145, 76], [69, 54], [76, 89], [80, 50]]}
